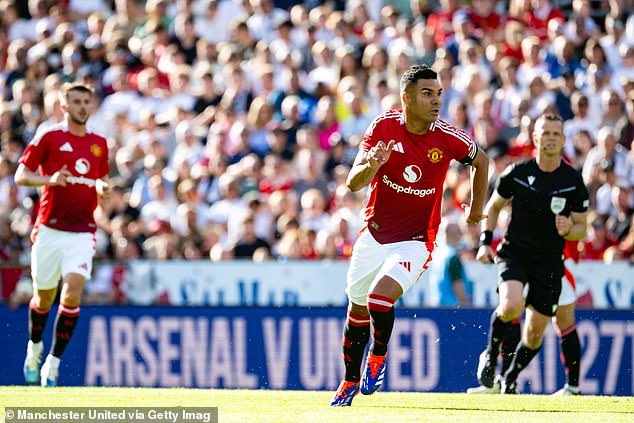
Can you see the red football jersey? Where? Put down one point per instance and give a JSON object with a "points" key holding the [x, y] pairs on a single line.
{"points": [[406, 193], [68, 208]]}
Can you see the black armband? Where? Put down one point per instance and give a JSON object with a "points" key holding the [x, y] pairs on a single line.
{"points": [[486, 238], [469, 158]]}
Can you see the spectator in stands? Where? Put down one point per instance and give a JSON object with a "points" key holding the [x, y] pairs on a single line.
{"points": [[613, 39], [510, 89], [359, 119], [533, 61], [258, 117], [140, 194], [448, 282], [309, 163], [160, 207], [541, 12], [441, 20], [487, 22], [612, 108], [238, 95], [618, 225], [230, 203], [597, 241], [626, 70], [607, 150], [541, 97], [624, 127], [563, 87], [514, 33], [562, 56], [326, 121], [189, 150], [313, 213], [583, 143], [582, 120], [249, 242], [581, 15]]}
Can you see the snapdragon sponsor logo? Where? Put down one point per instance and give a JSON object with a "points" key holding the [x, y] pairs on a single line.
{"points": [[81, 180], [408, 190]]}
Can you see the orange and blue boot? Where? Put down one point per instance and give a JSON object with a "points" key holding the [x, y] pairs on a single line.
{"points": [[374, 373], [345, 393]]}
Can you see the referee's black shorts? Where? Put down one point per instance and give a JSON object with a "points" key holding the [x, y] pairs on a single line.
{"points": [[541, 272]]}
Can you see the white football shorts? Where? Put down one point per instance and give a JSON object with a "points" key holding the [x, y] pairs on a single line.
{"points": [[568, 292], [404, 261], [57, 253]]}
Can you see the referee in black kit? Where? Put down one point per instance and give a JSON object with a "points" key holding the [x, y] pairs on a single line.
{"points": [[549, 205]]}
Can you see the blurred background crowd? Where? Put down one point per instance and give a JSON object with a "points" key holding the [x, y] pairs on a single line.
{"points": [[232, 124]]}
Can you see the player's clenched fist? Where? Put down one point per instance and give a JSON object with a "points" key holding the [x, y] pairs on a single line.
{"points": [[485, 254], [563, 225], [379, 154]]}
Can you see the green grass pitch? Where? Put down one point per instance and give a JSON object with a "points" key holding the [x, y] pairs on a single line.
{"points": [[311, 406]]}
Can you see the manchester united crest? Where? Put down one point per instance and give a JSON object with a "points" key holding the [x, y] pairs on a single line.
{"points": [[435, 155], [95, 150]]}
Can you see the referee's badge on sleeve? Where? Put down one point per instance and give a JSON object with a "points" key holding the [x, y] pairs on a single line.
{"points": [[557, 204]]}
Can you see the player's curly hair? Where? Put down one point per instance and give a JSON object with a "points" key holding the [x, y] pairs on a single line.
{"points": [[414, 73]]}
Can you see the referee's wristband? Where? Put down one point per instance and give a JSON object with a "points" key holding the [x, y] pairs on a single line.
{"points": [[486, 238]]}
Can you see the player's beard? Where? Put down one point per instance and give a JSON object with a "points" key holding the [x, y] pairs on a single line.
{"points": [[75, 118]]}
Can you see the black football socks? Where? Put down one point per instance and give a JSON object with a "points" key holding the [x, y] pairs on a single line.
{"points": [[64, 327], [356, 335], [382, 313]]}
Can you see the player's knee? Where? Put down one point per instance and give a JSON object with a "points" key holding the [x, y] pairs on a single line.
{"points": [[71, 296], [358, 310], [509, 310], [387, 287], [43, 300], [40, 302], [71, 299]]}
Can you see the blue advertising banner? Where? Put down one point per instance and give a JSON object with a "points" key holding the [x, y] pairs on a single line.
{"points": [[300, 348]]}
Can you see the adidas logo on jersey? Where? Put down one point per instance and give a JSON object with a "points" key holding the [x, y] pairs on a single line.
{"points": [[398, 147], [406, 264], [66, 147]]}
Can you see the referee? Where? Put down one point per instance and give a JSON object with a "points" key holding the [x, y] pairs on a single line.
{"points": [[550, 204]]}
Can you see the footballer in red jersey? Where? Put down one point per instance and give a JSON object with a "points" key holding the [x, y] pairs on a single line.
{"points": [[71, 164], [404, 159]]}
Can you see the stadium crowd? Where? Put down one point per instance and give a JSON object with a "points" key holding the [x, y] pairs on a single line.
{"points": [[232, 124]]}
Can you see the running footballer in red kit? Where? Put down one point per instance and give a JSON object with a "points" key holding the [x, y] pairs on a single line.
{"points": [[71, 164], [404, 159]]}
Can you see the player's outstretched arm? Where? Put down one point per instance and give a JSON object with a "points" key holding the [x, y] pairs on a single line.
{"points": [[367, 164], [25, 176]]}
